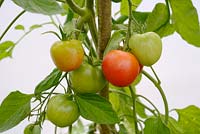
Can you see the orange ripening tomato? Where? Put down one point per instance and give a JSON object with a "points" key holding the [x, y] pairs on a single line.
{"points": [[67, 55], [120, 68]]}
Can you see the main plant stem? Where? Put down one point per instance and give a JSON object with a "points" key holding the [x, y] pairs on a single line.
{"points": [[104, 33]]}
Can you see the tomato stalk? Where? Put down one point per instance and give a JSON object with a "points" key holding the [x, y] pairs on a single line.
{"points": [[91, 21], [133, 95], [70, 129], [12, 22], [168, 8], [156, 109], [76, 8], [55, 130], [129, 23], [154, 72], [157, 85], [140, 103], [30, 30], [87, 15], [90, 47]]}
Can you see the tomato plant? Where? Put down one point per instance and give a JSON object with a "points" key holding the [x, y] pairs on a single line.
{"points": [[99, 41], [62, 111], [67, 55], [120, 68], [146, 47], [87, 79]]}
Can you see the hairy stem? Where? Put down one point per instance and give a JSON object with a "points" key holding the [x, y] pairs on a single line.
{"points": [[129, 24], [105, 25], [104, 33]]}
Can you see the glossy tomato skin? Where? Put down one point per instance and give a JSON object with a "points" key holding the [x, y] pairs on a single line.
{"points": [[32, 129], [146, 47], [67, 55], [120, 68], [87, 79], [62, 111]]}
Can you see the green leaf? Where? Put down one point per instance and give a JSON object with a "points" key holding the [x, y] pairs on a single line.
{"points": [[46, 7], [189, 119], [115, 101], [122, 129], [154, 125], [95, 108], [140, 109], [124, 8], [6, 45], [35, 26], [140, 16], [122, 27], [166, 30], [186, 21], [174, 127], [157, 18], [51, 80], [114, 42], [69, 27], [14, 108], [19, 27], [6, 49]]}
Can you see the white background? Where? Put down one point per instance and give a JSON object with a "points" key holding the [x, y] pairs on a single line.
{"points": [[178, 68]]}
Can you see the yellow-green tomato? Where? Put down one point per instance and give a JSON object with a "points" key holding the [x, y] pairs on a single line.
{"points": [[62, 111], [67, 55], [146, 47], [32, 129], [87, 79]]}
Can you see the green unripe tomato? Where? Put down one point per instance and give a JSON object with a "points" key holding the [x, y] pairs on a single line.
{"points": [[62, 111], [87, 79], [32, 129], [146, 47]]}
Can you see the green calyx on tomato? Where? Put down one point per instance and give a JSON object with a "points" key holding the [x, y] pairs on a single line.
{"points": [[32, 129], [120, 68], [146, 47], [62, 111], [67, 55], [87, 79]]}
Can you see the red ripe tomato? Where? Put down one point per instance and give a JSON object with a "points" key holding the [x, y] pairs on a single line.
{"points": [[120, 68]]}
